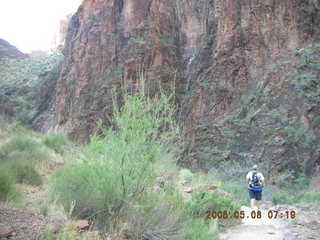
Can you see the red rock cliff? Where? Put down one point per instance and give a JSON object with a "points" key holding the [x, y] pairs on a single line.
{"points": [[214, 52]]}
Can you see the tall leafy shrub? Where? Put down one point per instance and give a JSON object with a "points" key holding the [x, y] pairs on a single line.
{"points": [[116, 169]]}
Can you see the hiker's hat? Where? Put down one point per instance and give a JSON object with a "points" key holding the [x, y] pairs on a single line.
{"points": [[255, 167]]}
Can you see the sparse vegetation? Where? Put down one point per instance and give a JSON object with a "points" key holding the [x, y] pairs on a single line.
{"points": [[21, 81], [57, 142], [311, 197], [282, 197], [301, 182], [203, 201], [23, 148], [20, 158], [297, 191], [196, 229], [237, 189], [15, 72], [48, 235], [307, 77], [287, 196], [69, 232], [7, 187], [23, 172]]}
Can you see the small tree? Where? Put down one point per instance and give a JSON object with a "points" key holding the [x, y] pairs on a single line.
{"points": [[118, 168]]}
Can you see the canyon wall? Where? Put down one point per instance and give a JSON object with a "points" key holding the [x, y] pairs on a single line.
{"points": [[218, 56]]}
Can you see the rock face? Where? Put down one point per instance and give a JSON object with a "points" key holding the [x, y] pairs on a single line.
{"points": [[60, 35], [218, 55], [240, 91], [9, 51], [107, 44]]}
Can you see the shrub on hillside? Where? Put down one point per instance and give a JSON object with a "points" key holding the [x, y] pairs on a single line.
{"points": [[112, 180], [20, 143], [21, 83], [196, 229], [161, 221], [311, 197], [162, 215], [237, 188], [118, 168], [203, 201], [23, 172], [293, 196], [23, 148], [282, 197], [7, 188], [57, 142], [301, 182], [92, 190]]}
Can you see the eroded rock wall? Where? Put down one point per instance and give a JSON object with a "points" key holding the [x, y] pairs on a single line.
{"points": [[250, 37], [238, 91], [216, 54], [107, 44]]}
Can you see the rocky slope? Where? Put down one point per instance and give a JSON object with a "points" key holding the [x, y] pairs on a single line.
{"points": [[227, 60], [10, 51]]}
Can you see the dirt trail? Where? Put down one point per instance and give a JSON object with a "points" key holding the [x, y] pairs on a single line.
{"points": [[262, 229]]}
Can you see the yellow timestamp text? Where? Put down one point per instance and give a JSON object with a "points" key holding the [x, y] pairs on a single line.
{"points": [[254, 214]]}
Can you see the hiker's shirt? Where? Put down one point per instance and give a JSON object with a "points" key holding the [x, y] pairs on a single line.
{"points": [[250, 178]]}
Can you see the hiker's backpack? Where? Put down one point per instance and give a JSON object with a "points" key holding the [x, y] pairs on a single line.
{"points": [[255, 179]]}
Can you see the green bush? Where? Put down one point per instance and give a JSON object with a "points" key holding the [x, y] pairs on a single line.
{"points": [[301, 182], [311, 197], [93, 189], [112, 180], [153, 219], [186, 175], [20, 143], [283, 197], [117, 169], [196, 229], [23, 148], [203, 201], [48, 234], [294, 196], [57, 142], [7, 188], [24, 173], [237, 189], [163, 216]]}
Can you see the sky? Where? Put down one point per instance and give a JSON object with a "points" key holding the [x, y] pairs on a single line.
{"points": [[31, 24]]}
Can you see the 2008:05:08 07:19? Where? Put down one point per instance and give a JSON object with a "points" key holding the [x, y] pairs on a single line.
{"points": [[272, 214]]}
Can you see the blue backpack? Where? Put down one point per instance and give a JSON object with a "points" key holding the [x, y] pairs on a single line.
{"points": [[255, 185], [255, 179]]}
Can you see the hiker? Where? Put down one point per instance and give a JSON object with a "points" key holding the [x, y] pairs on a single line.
{"points": [[255, 181]]}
